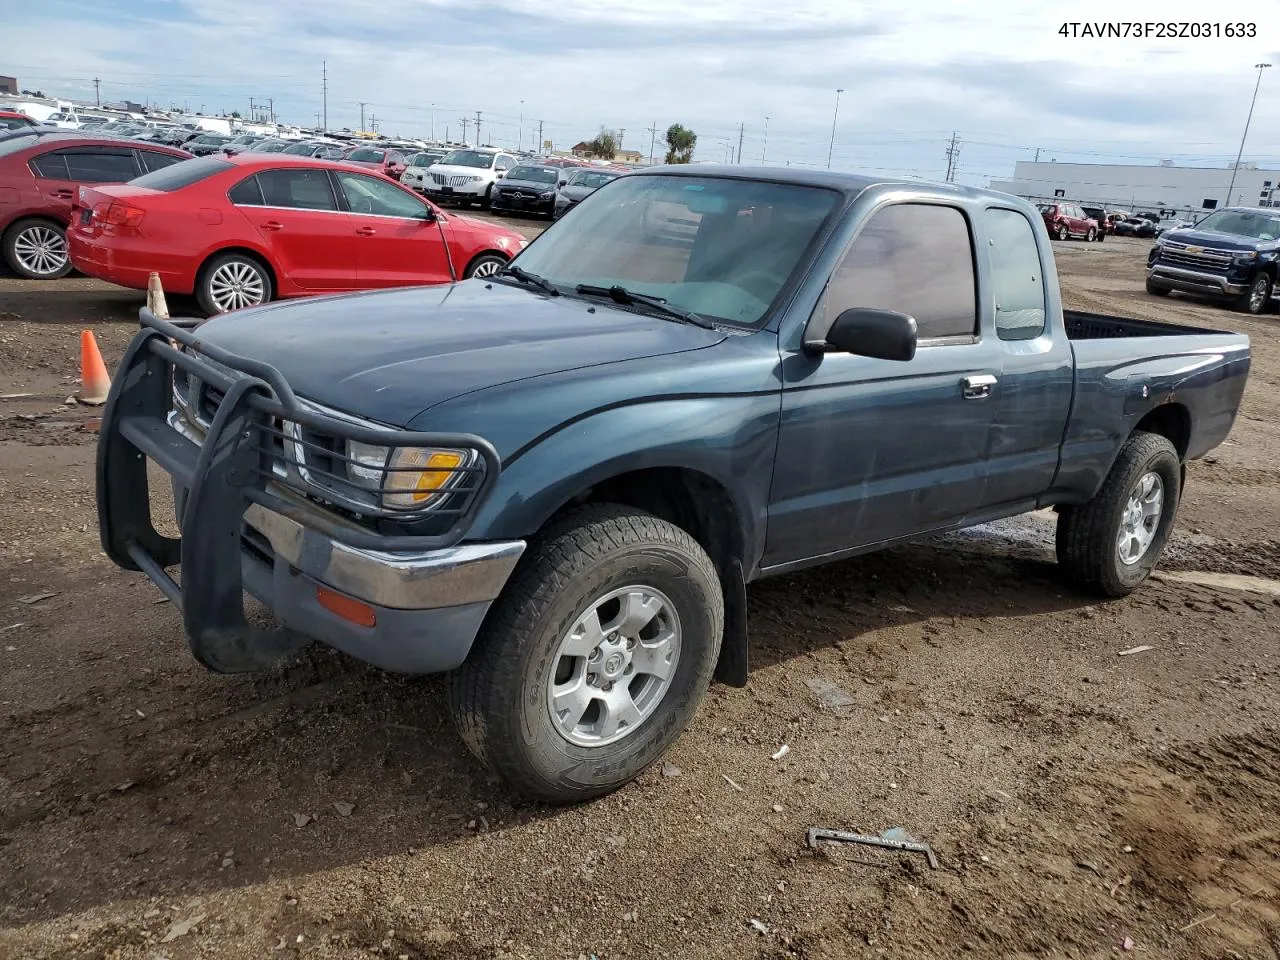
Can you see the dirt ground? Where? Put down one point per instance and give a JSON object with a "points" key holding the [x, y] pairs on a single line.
{"points": [[1081, 803]]}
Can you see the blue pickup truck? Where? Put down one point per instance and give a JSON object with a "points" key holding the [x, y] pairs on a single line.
{"points": [[1232, 254], [555, 483]]}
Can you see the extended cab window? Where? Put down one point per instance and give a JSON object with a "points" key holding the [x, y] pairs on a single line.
{"points": [[304, 189], [1017, 280], [915, 258], [370, 196]]}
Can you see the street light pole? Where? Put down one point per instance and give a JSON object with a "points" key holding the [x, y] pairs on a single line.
{"points": [[832, 148], [1236, 169], [520, 142], [765, 149]]}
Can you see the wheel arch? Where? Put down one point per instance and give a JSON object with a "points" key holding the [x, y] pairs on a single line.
{"points": [[703, 507], [1170, 420], [262, 259]]}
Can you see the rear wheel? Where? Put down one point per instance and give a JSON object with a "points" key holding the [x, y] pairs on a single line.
{"points": [[1091, 235], [1255, 299], [595, 657], [1063, 233], [1112, 543], [37, 249], [232, 281]]}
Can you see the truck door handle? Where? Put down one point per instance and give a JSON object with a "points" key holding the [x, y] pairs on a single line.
{"points": [[273, 225], [365, 232], [978, 385]]}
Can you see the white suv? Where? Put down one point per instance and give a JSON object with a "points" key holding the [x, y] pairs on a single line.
{"points": [[467, 175]]}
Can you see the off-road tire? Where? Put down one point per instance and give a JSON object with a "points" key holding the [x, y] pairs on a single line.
{"points": [[498, 697], [1156, 290], [1088, 533]]}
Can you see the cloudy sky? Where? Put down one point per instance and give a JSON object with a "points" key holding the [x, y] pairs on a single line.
{"points": [[1004, 79]]}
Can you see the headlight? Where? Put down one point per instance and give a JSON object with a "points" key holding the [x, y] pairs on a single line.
{"points": [[409, 478], [1246, 257], [547, 194]]}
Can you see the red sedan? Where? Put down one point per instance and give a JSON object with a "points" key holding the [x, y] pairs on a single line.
{"points": [[242, 230], [386, 161], [12, 120], [40, 172]]}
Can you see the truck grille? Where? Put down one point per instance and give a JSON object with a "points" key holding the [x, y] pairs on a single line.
{"points": [[1189, 255], [313, 461]]}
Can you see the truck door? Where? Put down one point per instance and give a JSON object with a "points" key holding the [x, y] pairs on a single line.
{"points": [[873, 450], [1032, 395]]}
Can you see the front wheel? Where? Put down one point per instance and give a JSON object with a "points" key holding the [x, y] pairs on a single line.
{"points": [[1255, 299], [36, 249], [1110, 544], [1156, 290], [595, 657], [485, 265]]}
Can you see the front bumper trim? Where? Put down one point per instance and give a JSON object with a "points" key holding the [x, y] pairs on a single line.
{"points": [[427, 580], [1194, 280]]}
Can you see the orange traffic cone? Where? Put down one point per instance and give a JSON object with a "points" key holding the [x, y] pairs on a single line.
{"points": [[94, 380], [155, 297]]}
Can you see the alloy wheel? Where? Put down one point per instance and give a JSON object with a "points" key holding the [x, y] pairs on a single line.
{"points": [[236, 284], [1141, 519], [614, 666], [41, 250]]}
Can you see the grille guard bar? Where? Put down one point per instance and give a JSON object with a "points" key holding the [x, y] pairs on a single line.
{"points": [[222, 476]]}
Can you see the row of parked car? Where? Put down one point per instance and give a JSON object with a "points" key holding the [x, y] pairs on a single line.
{"points": [[1067, 220]]}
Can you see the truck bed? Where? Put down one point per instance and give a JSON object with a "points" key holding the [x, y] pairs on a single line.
{"points": [[1099, 326]]}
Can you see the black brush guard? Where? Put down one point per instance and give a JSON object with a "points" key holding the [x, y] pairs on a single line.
{"points": [[231, 469]]}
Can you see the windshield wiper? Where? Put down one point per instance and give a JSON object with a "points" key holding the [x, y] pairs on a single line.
{"points": [[623, 296], [532, 279]]}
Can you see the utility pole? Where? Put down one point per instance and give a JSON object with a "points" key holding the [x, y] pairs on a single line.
{"points": [[271, 108], [653, 138], [317, 120], [363, 104], [478, 143], [464, 121], [622, 132], [953, 154], [433, 121], [742, 127], [1037, 159], [252, 115], [520, 135], [324, 91], [1236, 169], [373, 122], [97, 100], [540, 140], [835, 114], [765, 149]]}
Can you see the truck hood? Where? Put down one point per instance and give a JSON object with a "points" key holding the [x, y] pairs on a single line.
{"points": [[390, 355], [1218, 241]]}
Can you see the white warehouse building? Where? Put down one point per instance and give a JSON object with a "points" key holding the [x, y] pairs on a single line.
{"points": [[1160, 187]]}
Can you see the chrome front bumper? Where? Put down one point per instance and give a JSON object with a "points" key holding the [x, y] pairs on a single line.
{"points": [[1180, 278], [449, 577]]}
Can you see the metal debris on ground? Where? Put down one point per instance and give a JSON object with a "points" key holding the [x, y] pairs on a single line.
{"points": [[37, 597], [829, 695], [906, 845], [1132, 650], [781, 752], [759, 927]]}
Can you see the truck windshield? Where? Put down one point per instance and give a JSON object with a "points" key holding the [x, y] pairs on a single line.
{"points": [[722, 248], [1243, 223]]}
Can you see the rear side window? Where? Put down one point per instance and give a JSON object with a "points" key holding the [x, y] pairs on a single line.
{"points": [[917, 259], [96, 166], [153, 161], [1017, 279], [182, 174], [50, 165], [304, 189], [246, 193]]}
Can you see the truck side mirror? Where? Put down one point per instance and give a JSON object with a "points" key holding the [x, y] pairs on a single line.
{"points": [[870, 332]]}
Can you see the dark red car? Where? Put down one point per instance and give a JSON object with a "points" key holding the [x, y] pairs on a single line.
{"points": [[11, 120], [389, 162], [242, 230], [1065, 219], [40, 173]]}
